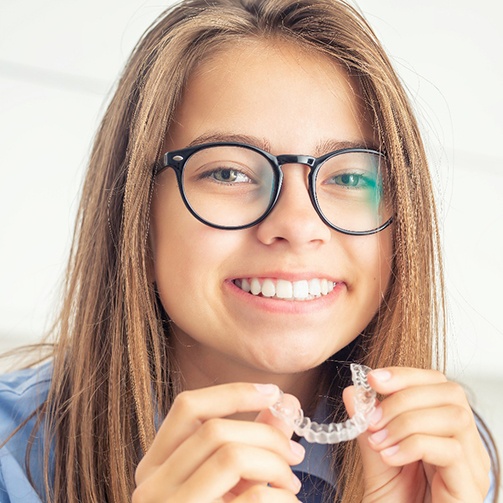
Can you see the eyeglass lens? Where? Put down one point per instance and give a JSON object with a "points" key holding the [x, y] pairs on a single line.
{"points": [[232, 186]]}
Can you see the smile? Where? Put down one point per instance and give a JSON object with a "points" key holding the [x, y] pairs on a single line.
{"points": [[286, 290]]}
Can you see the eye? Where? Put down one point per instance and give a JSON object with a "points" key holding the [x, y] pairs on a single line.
{"points": [[350, 180], [353, 181], [227, 175]]}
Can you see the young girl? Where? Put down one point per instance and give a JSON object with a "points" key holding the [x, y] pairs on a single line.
{"points": [[257, 215]]}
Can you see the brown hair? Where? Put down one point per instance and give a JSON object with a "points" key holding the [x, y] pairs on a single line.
{"points": [[113, 375]]}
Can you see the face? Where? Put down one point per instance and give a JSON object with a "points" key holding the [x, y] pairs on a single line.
{"points": [[286, 101]]}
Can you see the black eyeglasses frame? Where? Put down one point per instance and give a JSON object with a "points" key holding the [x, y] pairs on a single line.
{"points": [[176, 160]]}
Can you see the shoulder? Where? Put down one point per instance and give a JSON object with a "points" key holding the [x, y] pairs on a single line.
{"points": [[21, 394], [23, 381]]}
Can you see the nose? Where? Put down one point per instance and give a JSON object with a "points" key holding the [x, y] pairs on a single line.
{"points": [[294, 219]]}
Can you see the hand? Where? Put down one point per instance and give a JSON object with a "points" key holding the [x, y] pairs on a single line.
{"points": [[200, 455], [423, 444]]}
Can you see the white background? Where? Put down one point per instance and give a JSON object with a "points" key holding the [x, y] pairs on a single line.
{"points": [[60, 58]]}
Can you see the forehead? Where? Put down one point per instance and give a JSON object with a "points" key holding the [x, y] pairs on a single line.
{"points": [[274, 90]]}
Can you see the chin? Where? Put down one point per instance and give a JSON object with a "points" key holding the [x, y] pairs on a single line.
{"points": [[286, 361], [294, 352]]}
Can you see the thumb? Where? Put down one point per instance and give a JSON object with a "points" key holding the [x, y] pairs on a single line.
{"points": [[267, 417], [375, 471]]}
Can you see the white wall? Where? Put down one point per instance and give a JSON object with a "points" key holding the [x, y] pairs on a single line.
{"points": [[59, 58], [450, 55]]}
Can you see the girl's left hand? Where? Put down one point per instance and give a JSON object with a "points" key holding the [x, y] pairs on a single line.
{"points": [[423, 444]]}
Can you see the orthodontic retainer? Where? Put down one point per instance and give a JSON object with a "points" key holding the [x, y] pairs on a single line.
{"points": [[333, 433]]}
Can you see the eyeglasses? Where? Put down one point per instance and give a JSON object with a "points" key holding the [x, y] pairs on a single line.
{"points": [[235, 185]]}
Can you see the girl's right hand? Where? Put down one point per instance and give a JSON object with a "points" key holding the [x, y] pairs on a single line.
{"points": [[200, 455]]}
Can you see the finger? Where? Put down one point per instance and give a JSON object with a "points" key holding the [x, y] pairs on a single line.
{"points": [[421, 396], [392, 379], [265, 493], [216, 433], [376, 472], [446, 421], [191, 408], [233, 462], [246, 486], [454, 479], [449, 421], [267, 417], [445, 395]]}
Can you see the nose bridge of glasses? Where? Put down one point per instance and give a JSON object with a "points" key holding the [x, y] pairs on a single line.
{"points": [[305, 160], [296, 159]]}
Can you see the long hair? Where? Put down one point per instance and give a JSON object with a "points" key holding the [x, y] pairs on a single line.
{"points": [[113, 375]]}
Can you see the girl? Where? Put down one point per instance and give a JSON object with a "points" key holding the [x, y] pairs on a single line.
{"points": [[257, 214]]}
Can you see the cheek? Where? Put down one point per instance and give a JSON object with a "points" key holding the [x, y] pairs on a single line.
{"points": [[172, 225], [169, 227], [175, 242], [177, 264], [382, 262], [190, 258], [373, 257], [385, 254]]}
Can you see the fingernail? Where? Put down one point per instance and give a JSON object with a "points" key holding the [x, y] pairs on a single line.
{"points": [[267, 389], [381, 375], [297, 449], [376, 416], [390, 451], [296, 483], [378, 437]]}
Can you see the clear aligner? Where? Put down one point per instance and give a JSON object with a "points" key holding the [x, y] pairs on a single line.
{"points": [[334, 433]]}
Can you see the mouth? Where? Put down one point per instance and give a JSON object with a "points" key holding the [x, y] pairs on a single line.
{"points": [[286, 290]]}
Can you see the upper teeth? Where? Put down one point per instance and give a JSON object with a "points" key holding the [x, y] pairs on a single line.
{"points": [[282, 289]]}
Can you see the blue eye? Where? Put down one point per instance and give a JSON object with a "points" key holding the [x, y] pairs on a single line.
{"points": [[350, 180]]}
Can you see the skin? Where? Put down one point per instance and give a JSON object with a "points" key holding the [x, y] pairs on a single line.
{"points": [[257, 93], [423, 444], [219, 442]]}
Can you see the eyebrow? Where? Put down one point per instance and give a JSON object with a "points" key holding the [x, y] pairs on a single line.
{"points": [[231, 138], [323, 147], [327, 146]]}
